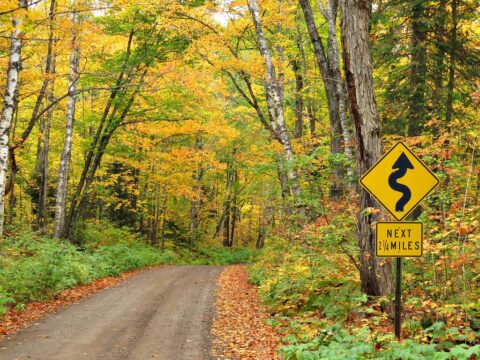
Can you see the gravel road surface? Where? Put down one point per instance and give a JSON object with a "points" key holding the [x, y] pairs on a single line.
{"points": [[164, 313]]}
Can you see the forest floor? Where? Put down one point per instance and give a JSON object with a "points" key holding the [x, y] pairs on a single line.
{"points": [[240, 325], [163, 313]]}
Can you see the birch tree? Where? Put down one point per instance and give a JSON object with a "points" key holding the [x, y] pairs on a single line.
{"points": [[14, 66], [274, 97], [375, 273], [62, 182]]}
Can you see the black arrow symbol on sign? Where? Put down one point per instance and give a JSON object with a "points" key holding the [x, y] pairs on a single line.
{"points": [[401, 167]]}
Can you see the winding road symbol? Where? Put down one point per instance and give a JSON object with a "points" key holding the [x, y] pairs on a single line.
{"points": [[400, 167]]}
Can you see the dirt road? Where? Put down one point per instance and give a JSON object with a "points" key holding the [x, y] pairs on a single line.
{"points": [[160, 314]]}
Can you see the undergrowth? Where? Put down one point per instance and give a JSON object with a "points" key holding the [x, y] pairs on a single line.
{"points": [[311, 287]]}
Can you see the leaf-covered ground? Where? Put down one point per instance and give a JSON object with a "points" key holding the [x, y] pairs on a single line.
{"points": [[15, 320], [239, 328]]}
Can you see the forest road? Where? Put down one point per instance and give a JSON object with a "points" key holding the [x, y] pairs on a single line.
{"points": [[163, 314]]}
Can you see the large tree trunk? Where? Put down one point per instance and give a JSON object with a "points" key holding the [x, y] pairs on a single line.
{"points": [[62, 183], [14, 64], [274, 95], [375, 274]]}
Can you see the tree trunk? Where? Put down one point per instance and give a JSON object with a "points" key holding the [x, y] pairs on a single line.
{"points": [[440, 47], [197, 188], [62, 183], [375, 274], [43, 164], [331, 79], [452, 65], [418, 68], [330, 14], [298, 100], [274, 95], [285, 189], [14, 65], [164, 218]]}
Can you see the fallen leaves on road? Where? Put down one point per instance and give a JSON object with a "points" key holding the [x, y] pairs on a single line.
{"points": [[239, 328], [15, 320]]}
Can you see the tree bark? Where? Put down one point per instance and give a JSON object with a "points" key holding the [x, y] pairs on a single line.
{"points": [[440, 47], [375, 274], [285, 189], [62, 183], [298, 99], [418, 68], [14, 66], [452, 65]]}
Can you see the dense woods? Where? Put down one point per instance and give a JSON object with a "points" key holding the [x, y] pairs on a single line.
{"points": [[173, 127]]}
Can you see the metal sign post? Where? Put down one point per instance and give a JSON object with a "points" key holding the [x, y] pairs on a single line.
{"points": [[398, 298], [399, 181]]}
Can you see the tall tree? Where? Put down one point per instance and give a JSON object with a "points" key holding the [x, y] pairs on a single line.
{"points": [[418, 70], [63, 171], [274, 88], [14, 66], [375, 274], [453, 62]]}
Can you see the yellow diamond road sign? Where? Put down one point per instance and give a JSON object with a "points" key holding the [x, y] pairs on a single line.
{"points": [[399, 181]]}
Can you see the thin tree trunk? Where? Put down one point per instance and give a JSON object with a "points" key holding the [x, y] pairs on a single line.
{"points": [[274, 95], [309, 107], [285, 189], [164, 218], [330, 14], [418, 68], [43, 163], [14, 66], [330, 80], [13, 169], [196, 203], [298, 100], [62, 183], [452, 65], [375, 274], [440, 46]]}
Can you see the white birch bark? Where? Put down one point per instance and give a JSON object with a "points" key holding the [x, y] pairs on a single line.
{"points": [[62, 183], [14, 64], [274, 96]]}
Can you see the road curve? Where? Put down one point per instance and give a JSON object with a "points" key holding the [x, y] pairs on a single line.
{"points": [[164, 313]]}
